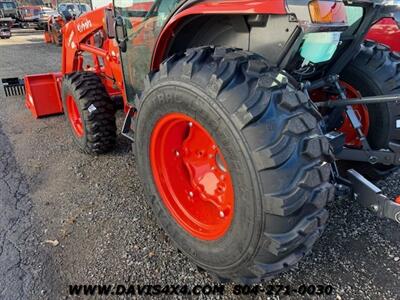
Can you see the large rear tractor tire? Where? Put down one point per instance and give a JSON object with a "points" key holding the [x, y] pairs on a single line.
{"points": [[376, 71], [89, 111], [233, 163]]}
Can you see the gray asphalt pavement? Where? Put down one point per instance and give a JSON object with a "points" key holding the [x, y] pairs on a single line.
{"points": [[69, 218]]}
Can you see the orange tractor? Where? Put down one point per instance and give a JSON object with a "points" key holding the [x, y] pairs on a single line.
{"points": [[56, 21], [43, 91], [52, 30], [242, 115]]}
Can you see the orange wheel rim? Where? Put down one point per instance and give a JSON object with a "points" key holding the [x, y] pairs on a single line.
{"points": [[74, 116], [192, 176]]}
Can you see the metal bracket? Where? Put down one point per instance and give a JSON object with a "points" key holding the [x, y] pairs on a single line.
{"points": [[127, 130], [336, 140], [372, 198], [366, 154], [385, 157]]}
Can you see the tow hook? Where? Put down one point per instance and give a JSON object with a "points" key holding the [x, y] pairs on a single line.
{"points": [[372, 198]]}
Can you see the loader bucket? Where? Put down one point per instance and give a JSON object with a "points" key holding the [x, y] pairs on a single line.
{"points": [[43, 95], [13, 86]]}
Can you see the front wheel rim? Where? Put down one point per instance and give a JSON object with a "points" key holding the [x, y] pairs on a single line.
{"points": [[74, 116], [192, 176]]}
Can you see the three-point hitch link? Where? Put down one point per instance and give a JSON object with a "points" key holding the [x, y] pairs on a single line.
{"points": [[371, 197], [362, 190]]}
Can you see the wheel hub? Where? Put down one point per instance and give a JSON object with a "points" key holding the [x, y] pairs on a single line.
{"points": [[192, 176]]}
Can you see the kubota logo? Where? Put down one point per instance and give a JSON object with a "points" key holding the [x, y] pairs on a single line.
{"points": [[84, 25]]}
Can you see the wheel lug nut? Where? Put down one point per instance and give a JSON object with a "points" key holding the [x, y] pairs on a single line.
{"points": [[222, 214]]}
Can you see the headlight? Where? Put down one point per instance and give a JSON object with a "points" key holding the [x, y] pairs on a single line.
{"points": [[327, 12]]}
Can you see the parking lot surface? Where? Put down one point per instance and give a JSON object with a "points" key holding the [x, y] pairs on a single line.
{"points": [[69, 218]]}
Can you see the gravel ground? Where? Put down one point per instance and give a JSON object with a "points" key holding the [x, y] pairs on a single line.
{"points": [[94, 207]]}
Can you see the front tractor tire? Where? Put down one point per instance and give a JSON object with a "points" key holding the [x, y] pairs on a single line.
{"points": [[90, 112], [233, 163]]}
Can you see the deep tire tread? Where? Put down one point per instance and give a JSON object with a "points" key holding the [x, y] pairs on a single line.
{"points": [[300, 204], [100, 124]]}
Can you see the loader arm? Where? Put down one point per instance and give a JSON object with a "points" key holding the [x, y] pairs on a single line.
{"points": [[88, 34]]}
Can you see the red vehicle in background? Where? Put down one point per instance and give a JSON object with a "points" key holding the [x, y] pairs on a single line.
{"points": [[386, 32], [28, 14]]}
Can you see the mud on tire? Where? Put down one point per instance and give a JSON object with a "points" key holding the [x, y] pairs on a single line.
{"points": [[274, 148], [96, 111]]}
